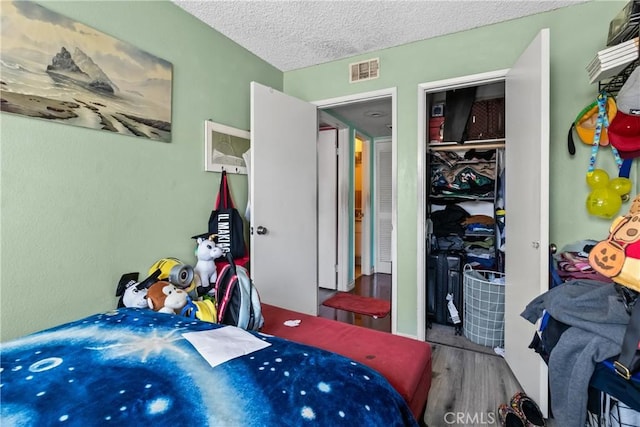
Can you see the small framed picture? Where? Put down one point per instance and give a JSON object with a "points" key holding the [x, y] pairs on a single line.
{"points": [[437, 110], [224, 147]]}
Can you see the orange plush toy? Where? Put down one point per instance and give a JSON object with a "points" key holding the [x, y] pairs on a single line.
{"points": [[166, 298], [618, 257]]}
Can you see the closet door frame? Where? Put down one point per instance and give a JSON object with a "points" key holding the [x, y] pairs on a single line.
{"points": [[423, 90]]}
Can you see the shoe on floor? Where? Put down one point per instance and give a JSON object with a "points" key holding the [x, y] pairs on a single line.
{"points": [[509, 417], [528, 410]]}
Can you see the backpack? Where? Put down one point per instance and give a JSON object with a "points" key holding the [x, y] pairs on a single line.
{"points": [[237, 297]]}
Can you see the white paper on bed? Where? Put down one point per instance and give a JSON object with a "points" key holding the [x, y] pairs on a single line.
{"points": [[223, 344]]}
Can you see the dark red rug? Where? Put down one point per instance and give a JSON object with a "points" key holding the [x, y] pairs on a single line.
{"points": [[368, 306]]}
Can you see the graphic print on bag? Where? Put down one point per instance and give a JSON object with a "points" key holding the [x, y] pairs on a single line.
{"points": [[224, 232], [238, 299]]}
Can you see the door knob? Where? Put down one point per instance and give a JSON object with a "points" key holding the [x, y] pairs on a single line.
{"points": [[261, 230]]}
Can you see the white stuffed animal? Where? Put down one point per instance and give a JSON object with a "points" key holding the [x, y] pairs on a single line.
{"points": [[130, 292], [133, 293], [206, 252]]}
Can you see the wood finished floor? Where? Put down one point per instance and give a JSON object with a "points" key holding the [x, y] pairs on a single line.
{"points": [[468, 383]]}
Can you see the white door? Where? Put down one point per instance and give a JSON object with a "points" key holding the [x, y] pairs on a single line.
{"points": [[327, 208], [527, 209], [383, 205], [284, 238]]}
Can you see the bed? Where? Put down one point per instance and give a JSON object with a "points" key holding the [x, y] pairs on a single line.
{"points": [[404, 362], [138, 367]]}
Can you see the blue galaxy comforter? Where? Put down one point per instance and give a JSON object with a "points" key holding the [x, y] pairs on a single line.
{"points": [[133, 367]]}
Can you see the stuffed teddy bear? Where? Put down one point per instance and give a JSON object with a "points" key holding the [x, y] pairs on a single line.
{"points": [[166, 298], [206, 252]]}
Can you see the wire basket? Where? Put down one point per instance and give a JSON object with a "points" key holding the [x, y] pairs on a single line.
{"points": [[484, 306]]}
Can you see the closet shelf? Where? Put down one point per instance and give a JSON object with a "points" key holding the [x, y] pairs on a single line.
{"points": [[465, 162], [449, 198], [485, 144], [479, 234]]}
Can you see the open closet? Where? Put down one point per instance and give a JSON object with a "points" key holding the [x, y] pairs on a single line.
{"points": [[521, 161], [465, 212]]}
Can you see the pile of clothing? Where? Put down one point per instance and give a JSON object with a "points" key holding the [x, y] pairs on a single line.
{"points": [[572, 263]]}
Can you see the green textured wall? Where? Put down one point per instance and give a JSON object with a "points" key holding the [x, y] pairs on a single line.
{"points": [[577, 33], [80, 207]]}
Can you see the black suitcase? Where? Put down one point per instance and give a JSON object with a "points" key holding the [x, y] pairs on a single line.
{"points": [[444, 276]]}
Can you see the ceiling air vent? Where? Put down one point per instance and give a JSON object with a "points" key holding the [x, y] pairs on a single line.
{"points": [[365, 70]]}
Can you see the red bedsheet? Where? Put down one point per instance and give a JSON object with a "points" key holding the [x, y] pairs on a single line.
{"points": [[404, 362]]}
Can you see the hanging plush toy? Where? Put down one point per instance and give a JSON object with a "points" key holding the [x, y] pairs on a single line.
{"points": [[605, 198], [206, 252]]}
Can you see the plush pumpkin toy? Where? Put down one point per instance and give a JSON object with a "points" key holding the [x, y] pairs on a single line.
{"points": [[164, 297], [618, 257]]}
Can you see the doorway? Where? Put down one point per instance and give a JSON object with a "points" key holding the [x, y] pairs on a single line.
{"points": [[360, 172], [361, 121], [295, 231]]}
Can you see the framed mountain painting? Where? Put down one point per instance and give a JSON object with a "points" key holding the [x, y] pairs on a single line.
{"points": [[60, 70]]}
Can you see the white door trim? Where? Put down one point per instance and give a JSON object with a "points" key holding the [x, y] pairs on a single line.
{"points": [[369, 96], [423, 89]]}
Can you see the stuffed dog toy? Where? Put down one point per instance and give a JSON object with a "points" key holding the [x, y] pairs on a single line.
{"points": [[133, 293]]}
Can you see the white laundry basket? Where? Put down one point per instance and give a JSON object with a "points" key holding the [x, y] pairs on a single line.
{"points": [[484, 307]]}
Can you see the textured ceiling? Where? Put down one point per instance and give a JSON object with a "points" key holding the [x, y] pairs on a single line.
{"points": [[293, 34]]}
